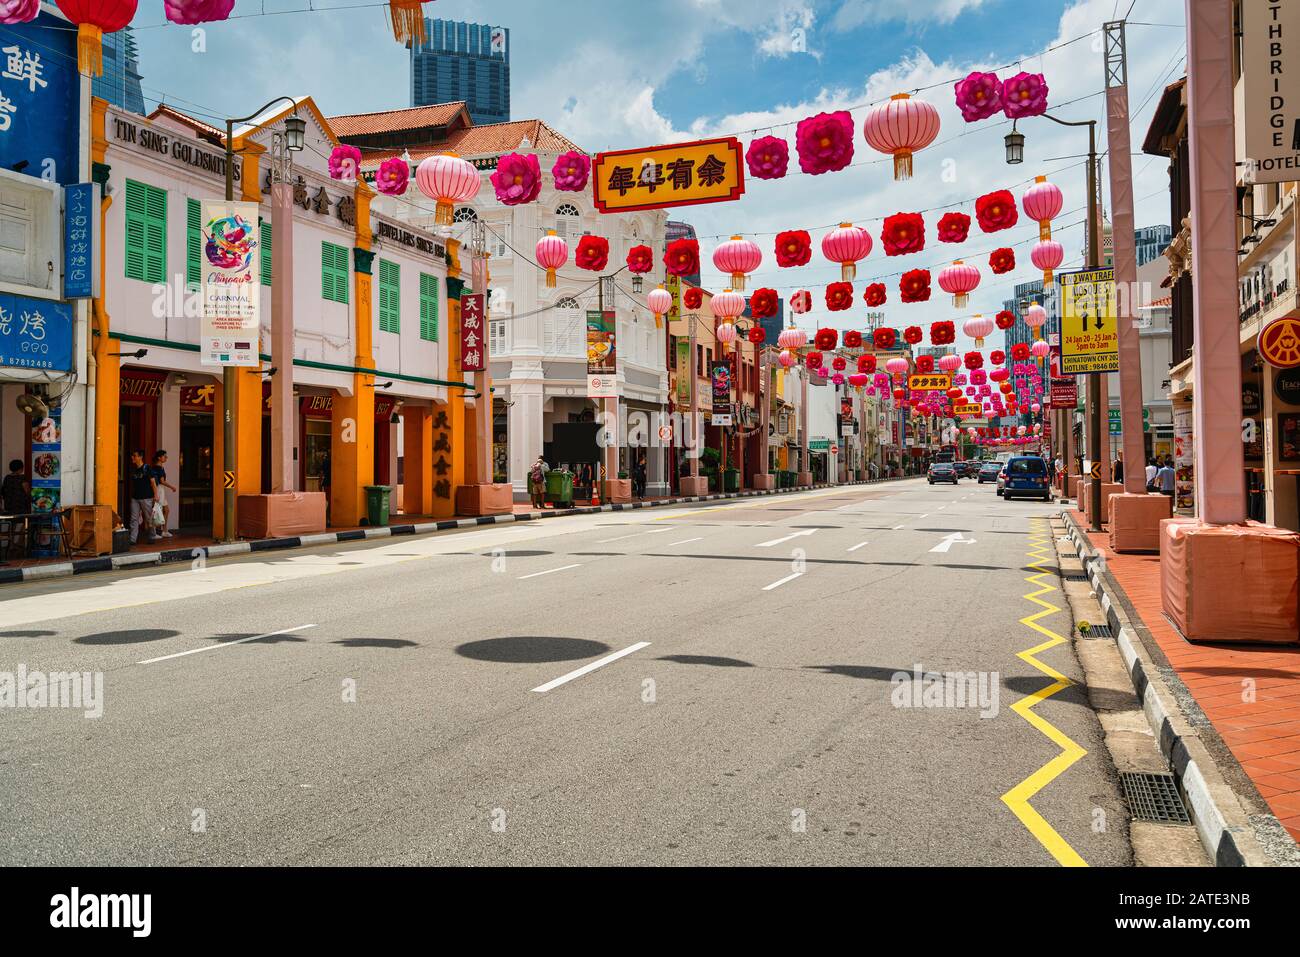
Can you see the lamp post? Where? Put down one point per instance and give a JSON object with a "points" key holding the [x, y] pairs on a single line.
{"points": [[1096, 382], [294, 129]]}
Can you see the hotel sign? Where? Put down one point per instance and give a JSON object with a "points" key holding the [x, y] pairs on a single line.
{"points": [[1270, 38]]}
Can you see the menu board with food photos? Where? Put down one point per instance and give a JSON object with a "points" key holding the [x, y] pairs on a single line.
{"points": [[47, 475]]}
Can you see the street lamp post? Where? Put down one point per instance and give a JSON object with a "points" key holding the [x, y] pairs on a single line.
{"points": [[294, 130]]}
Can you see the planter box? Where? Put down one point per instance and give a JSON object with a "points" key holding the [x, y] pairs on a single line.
{"points": [[281, 514], [765, 482], [497, 499], [694, 486], [620, 491]]}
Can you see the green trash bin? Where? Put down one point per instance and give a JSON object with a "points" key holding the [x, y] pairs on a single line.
{"points": [[559, 487], [377, 503], [732, 478]]}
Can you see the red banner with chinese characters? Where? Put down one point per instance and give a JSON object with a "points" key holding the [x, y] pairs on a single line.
{"points": [[473, 341]]}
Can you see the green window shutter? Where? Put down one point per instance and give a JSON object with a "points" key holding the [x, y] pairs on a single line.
{"points": [[390, 297], [428, 307], [155, 237], [135, 229], [264, 237], [334, 272], [193, 243]]}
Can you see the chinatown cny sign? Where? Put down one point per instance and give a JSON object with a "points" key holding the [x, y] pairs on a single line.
{"points": [[1279, 343], [231, 290], [929, 382], [684, 174], [473, 350], [1089, 324]]}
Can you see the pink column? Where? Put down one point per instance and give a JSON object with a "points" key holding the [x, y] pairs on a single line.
{"points": [[283, 411], [1125, 262], [1220, 489]]}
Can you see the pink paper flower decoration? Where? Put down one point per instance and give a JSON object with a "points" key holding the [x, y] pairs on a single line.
{"points": [[768, 157], [518, 179], [1025, 94], [197, 11], [571, 171], [392, 176], [19, 11], [825, 142], [345, 162], [979, 96]]}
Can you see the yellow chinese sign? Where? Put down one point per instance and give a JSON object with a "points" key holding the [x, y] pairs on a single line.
{"points": [[929, 381], [1089, 322], [685, 174], [966, 408]]}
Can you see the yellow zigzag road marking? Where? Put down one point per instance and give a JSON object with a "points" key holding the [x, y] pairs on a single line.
{"points": [[1017, 799]]}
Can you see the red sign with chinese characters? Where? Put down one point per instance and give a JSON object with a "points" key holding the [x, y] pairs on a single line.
{"points": [[1065, 393], [473, 341]]}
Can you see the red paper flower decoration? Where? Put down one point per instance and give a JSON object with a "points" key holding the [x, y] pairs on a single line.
{"points": [[826, 339], [757, 335], [996, 210], [852, 339], [593, 253], [825, 142], [903, 233], [925, 364], [839, 296], [953, 227], [1020, 351], [867, 364], [874, 295], [1002, 260], [1005, 319], [912, 335], [915, 286], [640, 259], [884, 338], [793, 248], [682, 257], [693, 297], [839, 363], [942, 333], [813, 360], [997, 357], [762, 304], [974, 360]]}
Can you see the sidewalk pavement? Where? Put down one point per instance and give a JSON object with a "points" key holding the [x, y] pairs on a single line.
{"points": [[1263, 734]]}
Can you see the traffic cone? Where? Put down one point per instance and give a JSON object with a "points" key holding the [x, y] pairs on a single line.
{"points": [[595, 494]]}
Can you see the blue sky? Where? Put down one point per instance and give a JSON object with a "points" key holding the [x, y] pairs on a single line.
{"points": [[608, 75]]}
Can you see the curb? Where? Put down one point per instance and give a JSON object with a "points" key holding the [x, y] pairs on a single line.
{"points": [[170, 556], [1211, 778]]}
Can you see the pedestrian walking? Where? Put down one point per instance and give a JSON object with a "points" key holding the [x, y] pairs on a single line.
{"points": [[1165, 479], [140, 486], [537, 482], [1117, 470], [1152, 470], [159, 473]]}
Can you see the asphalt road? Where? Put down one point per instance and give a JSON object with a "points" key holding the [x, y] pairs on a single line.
{"points": [[415, 701]]}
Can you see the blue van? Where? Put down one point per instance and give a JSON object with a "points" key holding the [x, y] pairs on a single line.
{"points": [[1027, 476]]}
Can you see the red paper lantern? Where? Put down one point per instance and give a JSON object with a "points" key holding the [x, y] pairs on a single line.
{"points": [[94, 18]]}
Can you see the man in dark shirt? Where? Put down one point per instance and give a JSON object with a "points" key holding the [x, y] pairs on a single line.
{"points": [[16, 492], [140, 486]]}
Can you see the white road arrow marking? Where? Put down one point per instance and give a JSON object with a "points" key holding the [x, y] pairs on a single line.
{"points": [[778, 541], [954, 539]]}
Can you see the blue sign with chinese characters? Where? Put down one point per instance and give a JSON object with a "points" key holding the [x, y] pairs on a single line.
{"points": [[35, 333], [39, 96], [80, 228]]}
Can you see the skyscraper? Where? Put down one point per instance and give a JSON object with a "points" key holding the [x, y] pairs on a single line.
{"points": [[463, 61], [120, 82], [1152, 241]]}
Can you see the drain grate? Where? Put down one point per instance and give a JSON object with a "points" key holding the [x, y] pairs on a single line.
{"points": [[1154, 797], [1074, 576], [1100, 631]]}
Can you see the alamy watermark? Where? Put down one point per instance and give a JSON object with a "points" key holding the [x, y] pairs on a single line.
{"points": [[76, 690], [949, 689]]}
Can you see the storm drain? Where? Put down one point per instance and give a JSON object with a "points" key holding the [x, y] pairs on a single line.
{"points": [[1100, 631], [1154, 797], [1074, 576]]}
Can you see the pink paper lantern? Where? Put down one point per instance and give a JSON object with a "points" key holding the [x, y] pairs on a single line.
{"points": [[787, 358], [737, 257], [901, 127], [1042, 202], [1040, 349], [1047, 255], [447, 179], [552, 251], [897, 367], [959, 279], [792, 338], [977, 327], [949, 363], [726, 306], [1035, 316], [660, 302], [846, 245], [725, 333]]}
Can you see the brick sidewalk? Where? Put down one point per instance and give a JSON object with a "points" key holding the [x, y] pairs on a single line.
{"points": [[1264, 734]]}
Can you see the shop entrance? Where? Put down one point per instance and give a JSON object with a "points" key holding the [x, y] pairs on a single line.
{"points": [[196, 470]]}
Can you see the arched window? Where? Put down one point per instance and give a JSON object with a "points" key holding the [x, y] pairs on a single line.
{"points": [[568, 302], [562, 215], [465, 214]]}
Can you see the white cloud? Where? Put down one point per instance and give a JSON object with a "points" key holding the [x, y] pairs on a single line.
{"points": [[856, 13], [790, 33]]}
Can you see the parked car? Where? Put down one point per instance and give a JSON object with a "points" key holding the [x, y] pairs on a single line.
{"points": [[988, 472], [942, 472], [1026, 476]]}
